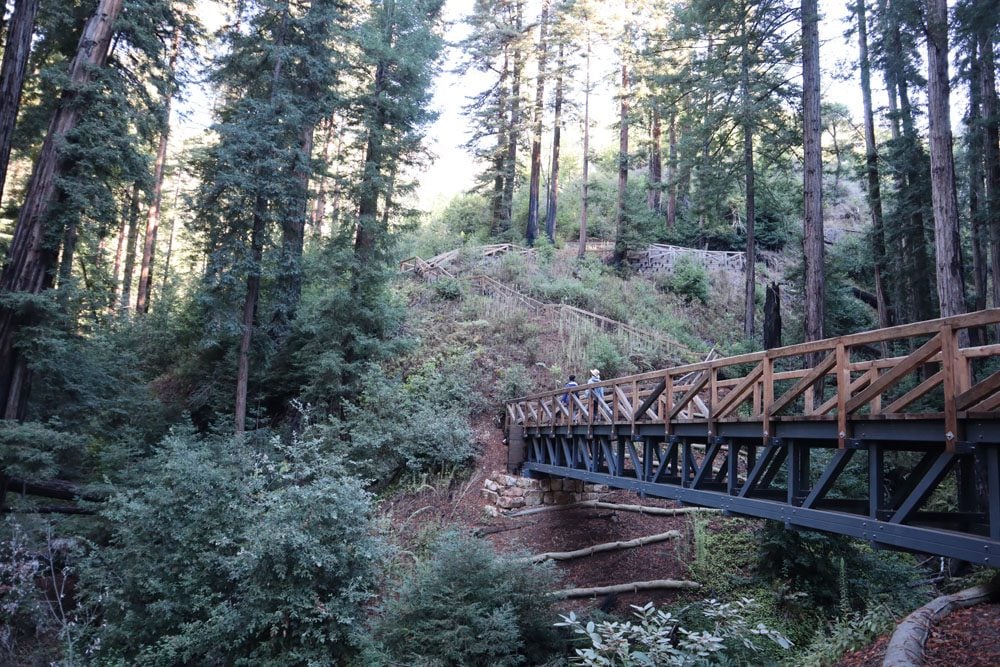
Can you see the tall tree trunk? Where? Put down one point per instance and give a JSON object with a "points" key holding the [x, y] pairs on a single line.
{"points": [[655, 165], [621, 217], [582, 248], [130, 241], [514, 128], [975, 163], [16, 50], [364, 238], [872, 169], [119, 256], [319, 206], [293, 231], [991, 151], [500, 151], [813, 174], [32, 255], [948, 264], [552, 204], [249, 313], [748, 175], [534, 181], [153, 219], [672, 173], [170, 241]]}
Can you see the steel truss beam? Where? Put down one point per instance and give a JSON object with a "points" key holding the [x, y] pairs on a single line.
{"points": [[786, 479]]}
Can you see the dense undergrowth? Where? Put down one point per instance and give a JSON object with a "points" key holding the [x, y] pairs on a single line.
{"points": [[270, 549]]}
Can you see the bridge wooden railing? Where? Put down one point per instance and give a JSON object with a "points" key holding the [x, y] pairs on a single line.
{"points": [[924, 370]]}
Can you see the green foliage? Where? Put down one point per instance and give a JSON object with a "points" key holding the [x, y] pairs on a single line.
{"points": [[813, 563], [657, 639], [32, 450], [514, 382], [849, 633], [448, 289], [603, 354], [688, 279], [465, 605], [231, 553], [417, 424]]}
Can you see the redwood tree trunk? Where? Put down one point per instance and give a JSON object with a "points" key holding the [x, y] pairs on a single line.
{"points": [[534, 181], [130, 241], [621, 218], [551, 205], [813, 174], [655, 165], [672, 173], [871, 159], [748, 175], [991, 150], [975, 164], [948, 261], [31, 258], [16, 50], [582, 249], [513, 129], [153, 220], [249, 313]]}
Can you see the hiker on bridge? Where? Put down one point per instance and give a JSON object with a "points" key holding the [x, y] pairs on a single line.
{"points": [[571, 383], [597, 392]]}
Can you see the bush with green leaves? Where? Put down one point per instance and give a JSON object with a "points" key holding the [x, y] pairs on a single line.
{"points": [[228, 552], [448, 289], [836, 573], [656, 638], [466, 605], [420, 423], [687, 279]]}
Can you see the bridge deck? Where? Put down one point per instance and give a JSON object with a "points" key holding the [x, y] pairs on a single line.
{"points": [[891, 436]]}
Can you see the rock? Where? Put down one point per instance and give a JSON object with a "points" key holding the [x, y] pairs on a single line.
{"points": [[491, 496], [491, 511], [490, 485], [533, 498]]}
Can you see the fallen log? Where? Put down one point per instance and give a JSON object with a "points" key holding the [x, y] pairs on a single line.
{"points": [[600, 504], [601, 548], [53, 488], [633, 587]]}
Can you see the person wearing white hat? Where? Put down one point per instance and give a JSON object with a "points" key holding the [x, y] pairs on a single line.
{"points": [[595, 376]]}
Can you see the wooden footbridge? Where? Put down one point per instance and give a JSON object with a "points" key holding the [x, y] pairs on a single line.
{"points": [[890, 436]]}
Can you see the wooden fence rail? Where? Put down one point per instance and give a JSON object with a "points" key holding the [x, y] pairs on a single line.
{"points": [[926, 373]]}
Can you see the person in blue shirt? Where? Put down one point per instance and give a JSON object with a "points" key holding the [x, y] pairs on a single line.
{"points": [[571, 383]]}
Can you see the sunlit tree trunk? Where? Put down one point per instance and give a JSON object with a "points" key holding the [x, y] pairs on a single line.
{"points": [[534, 180], [31, 258], [813, 174], [948, 264], [16, 50], [551, 206]]}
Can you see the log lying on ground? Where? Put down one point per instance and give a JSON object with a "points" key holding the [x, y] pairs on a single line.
{"points": [[906, 648], [642, 509], [52, 488], [633, 587], [600, 548]]}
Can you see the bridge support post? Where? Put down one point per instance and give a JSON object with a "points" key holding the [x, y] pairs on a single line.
{"points": [[876, 478], [515, 448], [992, 457]]}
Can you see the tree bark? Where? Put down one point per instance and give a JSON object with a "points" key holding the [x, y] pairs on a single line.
{"points": [[621, 217], [293, 230], [551, 206], [975, 165], [153, 218], [534, 181], [130, 242], [948, 260], [249, 313], [634, 587], [602, 548], [31, 258], [513, 129], [672, 173], [582, 248], [500, 152], [872, 170], [749, 294], [772, 317], [16, 50], [319, 206], [655, 165], [813, 174], [991, 150]]}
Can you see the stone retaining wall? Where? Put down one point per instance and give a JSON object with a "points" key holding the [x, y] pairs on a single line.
{"points": [[507, 492]]}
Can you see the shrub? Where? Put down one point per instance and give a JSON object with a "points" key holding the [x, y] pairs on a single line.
{"points": [[657, 639], [688, 280], [227, 553], [448, 289], [514, 382], [465, 605]]}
